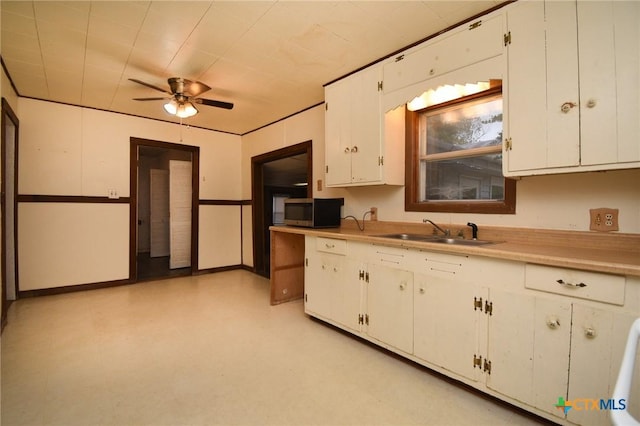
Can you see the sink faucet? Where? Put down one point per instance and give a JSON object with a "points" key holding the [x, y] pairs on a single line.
{"points": [[474, 230], [446, 232]]}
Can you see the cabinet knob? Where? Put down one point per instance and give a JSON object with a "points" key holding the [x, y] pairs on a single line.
{"points": [[354, 149], [432, 71], [403, 285], [347, 150], [553, 323], [591, 103], [566, 107], [590, 332], [421, 290]]}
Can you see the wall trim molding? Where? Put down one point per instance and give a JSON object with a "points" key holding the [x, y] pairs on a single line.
{"points": [[214, 202], [33, 198], [36, 198], [72, 288]]}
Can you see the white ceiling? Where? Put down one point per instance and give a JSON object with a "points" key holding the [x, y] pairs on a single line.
{"points": [[270, 58]]}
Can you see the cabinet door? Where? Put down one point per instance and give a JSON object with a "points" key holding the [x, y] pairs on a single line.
{"points": [[528, 346], [542, 70], [338, 133], [320, 274], [597, 343], [447, 327], [458, 48], [609, 40], [390, 306], [353, 129], [347, 303], [366, 118]]}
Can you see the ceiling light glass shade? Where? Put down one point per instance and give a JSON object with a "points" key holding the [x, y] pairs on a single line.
{"points": [[180, 108], [171, 107], [186, 109]]}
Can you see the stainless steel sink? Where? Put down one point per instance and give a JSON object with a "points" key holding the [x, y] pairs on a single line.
{"points": [[435, 239], [462, 242], [410, 237]]}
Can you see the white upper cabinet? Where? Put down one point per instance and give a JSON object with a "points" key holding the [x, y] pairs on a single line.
{"points": [[571, 89], [456, 49], [363, 145]]}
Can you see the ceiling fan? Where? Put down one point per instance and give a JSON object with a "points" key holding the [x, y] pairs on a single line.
{"points": [[182, 95]]}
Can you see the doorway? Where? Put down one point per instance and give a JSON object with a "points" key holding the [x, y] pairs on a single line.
{"points": [[8, 208], [163, 210], [275, 176]]}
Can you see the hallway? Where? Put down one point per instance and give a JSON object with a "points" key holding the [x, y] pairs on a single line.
{"points": [[209, 349]]}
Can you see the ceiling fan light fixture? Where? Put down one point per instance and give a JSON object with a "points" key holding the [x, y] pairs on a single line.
{"points": [[171, 107], [186, 109]]}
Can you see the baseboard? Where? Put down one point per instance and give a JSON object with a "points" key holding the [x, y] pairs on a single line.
{"points": [[72, 288]]}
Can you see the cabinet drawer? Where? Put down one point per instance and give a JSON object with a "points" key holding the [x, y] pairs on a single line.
{"points": [[571, 282], [393, 257], [442, 264], [331, 245]]}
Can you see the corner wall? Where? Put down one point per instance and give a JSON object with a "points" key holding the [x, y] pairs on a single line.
{"points": [[72, 151]]}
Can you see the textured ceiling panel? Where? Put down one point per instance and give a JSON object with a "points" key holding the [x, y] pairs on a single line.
{"points": [[270, 58]]}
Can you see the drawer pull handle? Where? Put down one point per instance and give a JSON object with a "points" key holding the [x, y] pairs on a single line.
{"points": [[568, 284], [329, 246]]}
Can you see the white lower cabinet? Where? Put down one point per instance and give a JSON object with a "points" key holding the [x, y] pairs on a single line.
{"points": [[532, 335], [528, 348], [390, 306], [322, 274], [447, 323], [598, 339]]}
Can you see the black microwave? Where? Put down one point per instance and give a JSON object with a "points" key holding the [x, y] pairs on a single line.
{"points": [[313, 212]]}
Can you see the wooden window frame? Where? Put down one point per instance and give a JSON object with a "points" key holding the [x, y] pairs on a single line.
{"points": [[411, 201]]}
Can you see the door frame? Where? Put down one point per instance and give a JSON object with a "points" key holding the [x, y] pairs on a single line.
{"points": [[135, 143], [257, 194], [8, 114]]}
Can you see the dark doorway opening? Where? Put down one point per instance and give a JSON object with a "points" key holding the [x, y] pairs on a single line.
{"points": [[163, 210], [276, 175]]}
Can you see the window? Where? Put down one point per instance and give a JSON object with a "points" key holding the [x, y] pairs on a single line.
{"points": [[454, 156]]}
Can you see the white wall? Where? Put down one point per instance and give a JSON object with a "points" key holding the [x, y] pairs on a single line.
{"points": [[552, 202], [66, 150]]}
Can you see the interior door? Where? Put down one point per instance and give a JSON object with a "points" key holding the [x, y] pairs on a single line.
{"points": [[9, 167], [180, 213], [159, 212]]}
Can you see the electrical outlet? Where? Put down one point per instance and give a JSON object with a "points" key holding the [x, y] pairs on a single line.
{"points": [[374, 213], [603, 219]]}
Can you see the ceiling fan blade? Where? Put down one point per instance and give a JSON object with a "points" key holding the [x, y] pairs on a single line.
{"points": [[194, 88], [211, 102], [150, 99], [150, 85]]}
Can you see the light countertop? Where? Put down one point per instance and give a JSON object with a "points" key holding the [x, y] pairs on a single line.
{"points": [[611, 253]]}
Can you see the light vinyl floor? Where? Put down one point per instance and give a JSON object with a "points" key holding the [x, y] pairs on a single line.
{"points": [[210, 350]]}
